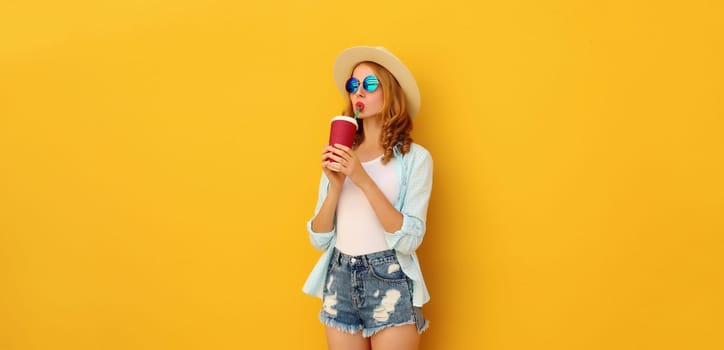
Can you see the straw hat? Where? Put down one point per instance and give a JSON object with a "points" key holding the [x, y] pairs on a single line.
{"points": [[349, 58]]}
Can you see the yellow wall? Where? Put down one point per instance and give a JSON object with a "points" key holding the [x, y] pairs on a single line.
{"points": [[158, 160]]}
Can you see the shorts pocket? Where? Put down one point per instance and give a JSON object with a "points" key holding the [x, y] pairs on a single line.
{"points": [[389, 271]]}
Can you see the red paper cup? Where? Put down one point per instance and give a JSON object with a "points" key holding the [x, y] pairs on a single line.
{"points": [[342, 130]]}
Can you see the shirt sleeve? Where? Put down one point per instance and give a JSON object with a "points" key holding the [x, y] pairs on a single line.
{"points": [[414, 206], [321, 240]]}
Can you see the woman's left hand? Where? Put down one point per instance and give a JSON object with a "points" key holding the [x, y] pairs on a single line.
{"points": [[348, 164]]}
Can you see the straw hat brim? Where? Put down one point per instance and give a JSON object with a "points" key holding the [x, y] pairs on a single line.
{"points": [[349, 58]]}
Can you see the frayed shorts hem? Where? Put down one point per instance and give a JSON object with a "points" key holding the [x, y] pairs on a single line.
{"points": [[368, 332], [328, 321]]}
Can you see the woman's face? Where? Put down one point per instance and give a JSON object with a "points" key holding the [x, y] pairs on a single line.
{"points": [[374, 100]]}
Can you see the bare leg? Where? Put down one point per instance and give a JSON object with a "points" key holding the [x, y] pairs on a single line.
{"points": [[338, 340], [397, 338]]}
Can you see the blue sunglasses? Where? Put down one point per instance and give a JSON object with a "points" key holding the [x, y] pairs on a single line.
{"points": [[369, 83]]}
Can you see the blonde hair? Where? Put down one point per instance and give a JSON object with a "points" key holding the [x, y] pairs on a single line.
{"points": [[396, 121]]}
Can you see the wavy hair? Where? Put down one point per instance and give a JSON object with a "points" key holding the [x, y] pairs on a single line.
{"points": [[396, 121]]}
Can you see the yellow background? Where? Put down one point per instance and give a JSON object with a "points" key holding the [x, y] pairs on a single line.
{"points": [[158, 161]]}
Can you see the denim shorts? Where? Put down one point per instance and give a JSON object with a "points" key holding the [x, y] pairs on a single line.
{"points": [[369, 293]]}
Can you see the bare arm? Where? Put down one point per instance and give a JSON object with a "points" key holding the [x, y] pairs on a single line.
{"points": [[324, 221], [390, 217]]}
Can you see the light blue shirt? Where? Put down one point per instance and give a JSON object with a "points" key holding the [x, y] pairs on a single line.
{"points": [[415, 174]]}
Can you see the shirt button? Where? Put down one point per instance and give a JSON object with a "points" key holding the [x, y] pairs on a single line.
{"points": [[353, 260]]}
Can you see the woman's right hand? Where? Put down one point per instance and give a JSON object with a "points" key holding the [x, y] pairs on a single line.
{"points": [[331, 168]]}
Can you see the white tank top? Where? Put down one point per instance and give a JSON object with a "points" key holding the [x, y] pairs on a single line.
{"points": [[359, 231]]}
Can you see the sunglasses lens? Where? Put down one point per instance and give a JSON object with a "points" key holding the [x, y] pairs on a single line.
{"points": [[370, 83], [352, 85]]}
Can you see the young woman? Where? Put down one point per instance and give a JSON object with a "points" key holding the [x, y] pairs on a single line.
{"points": [[371, 211]]}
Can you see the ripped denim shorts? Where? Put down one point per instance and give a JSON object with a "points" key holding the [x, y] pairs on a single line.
{"points": [[369, 293]]}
